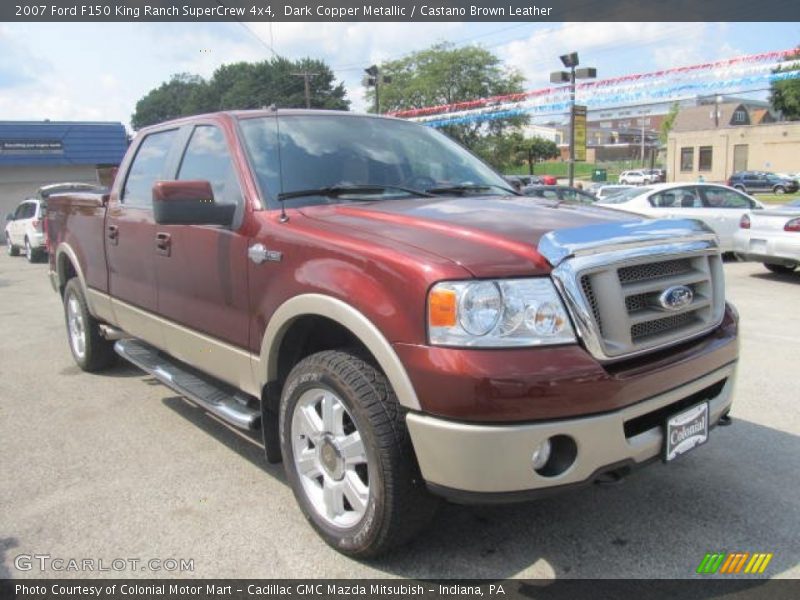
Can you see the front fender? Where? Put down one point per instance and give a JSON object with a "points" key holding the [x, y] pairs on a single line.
{"points": [[265, 367]]}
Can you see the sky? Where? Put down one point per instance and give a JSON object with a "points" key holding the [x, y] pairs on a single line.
{"points": [[98, 71]]}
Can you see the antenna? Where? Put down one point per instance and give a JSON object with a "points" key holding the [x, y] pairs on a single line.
{"points": [[284, 218]]}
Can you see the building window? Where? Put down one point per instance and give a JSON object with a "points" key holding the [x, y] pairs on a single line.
{"points": [[704, 158], [739, 116], [687, 159]]}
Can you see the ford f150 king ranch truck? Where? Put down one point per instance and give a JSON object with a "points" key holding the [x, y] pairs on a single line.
{"points": [[398, 322]]}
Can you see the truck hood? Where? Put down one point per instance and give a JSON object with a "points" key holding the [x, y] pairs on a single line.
{"points": [[489, 236]]}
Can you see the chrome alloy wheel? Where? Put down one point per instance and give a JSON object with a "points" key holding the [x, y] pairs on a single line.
{"points": [[330, 458], [76, 326]]}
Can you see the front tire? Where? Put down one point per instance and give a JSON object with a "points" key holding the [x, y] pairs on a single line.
{"points": [[91, 351], [348, 456], [779, 190], [780, 269]]}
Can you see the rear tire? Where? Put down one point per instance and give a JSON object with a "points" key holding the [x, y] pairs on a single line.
{"points": [[11, 249], [780, 269], [348, 456], [91, 351], [741, 188]]}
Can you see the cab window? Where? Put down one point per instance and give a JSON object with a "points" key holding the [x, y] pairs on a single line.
{"points": [[207, 157], [148, 166]]}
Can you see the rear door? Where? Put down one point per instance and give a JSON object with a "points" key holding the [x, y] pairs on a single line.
{"points": [[723, 209], [131, 239]]}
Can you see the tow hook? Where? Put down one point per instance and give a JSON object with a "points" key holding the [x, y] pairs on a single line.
{"points": [[725, 420], [614, 477]]}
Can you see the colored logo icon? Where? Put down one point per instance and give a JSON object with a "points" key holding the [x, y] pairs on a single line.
{"points": [[734, 563]]}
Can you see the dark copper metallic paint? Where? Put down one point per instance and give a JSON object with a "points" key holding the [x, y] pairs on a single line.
{"points": [[380, 258]]}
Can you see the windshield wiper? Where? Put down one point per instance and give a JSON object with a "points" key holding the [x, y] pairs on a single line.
{"points": [[336, 191], [468, 187]]}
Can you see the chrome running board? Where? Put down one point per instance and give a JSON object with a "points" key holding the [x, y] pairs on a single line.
{"points": [[218, 398]]}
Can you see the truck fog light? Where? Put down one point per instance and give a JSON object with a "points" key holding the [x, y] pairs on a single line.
{"points": [[541, 455]]}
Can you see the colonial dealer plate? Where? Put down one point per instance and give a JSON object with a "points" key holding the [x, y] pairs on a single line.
{"points": [[685, 431]]}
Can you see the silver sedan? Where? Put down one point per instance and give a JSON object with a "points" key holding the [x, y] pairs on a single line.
{"points": [[771, 237]]}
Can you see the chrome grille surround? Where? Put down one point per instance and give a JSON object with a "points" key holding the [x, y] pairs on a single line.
{"points": [[612, 295]]}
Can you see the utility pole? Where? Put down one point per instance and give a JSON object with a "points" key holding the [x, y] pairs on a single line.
{"points": [[641, 121], [307, 75]]}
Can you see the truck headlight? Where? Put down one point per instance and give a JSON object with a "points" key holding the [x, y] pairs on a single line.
{"points": [[498, 313]]}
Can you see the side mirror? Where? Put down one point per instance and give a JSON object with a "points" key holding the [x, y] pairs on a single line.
{"points": [[10, 217], [189, 203]]}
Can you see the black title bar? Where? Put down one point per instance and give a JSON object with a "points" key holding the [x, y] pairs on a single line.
{"points": [[741, 588], [399, 10]]}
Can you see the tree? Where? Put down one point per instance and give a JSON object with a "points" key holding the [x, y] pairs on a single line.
{"points": [[668, 123], [536, 149], [443, 74], [785, 94], [240, 86], [168, 101]]}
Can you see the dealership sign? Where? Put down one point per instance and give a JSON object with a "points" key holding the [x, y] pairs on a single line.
{"points": [[31, 147]]}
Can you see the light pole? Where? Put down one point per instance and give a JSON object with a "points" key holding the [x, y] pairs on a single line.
{"points": [[375, 79], [571, 61]]}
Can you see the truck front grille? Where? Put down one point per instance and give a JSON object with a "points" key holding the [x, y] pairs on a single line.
{"points": [[622, 301]]}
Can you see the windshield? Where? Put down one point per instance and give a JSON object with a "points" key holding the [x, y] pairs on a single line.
{"points": [[625, 195], [387, 158]]}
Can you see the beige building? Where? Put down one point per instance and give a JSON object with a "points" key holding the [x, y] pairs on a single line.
{"points": [[714, 141]]}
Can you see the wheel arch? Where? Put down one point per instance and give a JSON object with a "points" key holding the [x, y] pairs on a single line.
{"points": [[301, 310], [67, 267]]}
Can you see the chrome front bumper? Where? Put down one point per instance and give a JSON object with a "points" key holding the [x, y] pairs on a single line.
{"points": [[496, 459]]}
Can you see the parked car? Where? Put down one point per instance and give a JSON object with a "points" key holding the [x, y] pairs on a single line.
{"points": [[638, 177], [24, 230], [548, 180], [514, 181], [762, 181], [718, 206], [396, 322], [26, 226], [772, 237], [530, 179], [604, 191], [559, 192]]}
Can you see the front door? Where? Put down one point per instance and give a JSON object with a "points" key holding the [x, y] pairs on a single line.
{"points": [[202, 269]]}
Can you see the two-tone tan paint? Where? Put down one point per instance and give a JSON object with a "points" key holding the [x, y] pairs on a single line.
{"points": [[497, 458], [247, 371]]}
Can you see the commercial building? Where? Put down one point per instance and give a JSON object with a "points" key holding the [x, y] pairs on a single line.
{"points": [[714, 141], [37, 153]]}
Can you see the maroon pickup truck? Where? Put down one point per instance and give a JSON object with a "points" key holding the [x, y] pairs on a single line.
{"points": [[400, 324]]}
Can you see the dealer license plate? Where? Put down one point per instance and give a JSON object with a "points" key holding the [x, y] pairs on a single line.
{"points": [[758, 246], [686, 431]]}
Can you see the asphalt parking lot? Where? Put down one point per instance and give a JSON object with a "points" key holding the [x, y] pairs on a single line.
{"points": [[116, 466]]}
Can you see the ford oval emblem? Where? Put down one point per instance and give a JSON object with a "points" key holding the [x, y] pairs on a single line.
{"points": [[676, 297]]}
